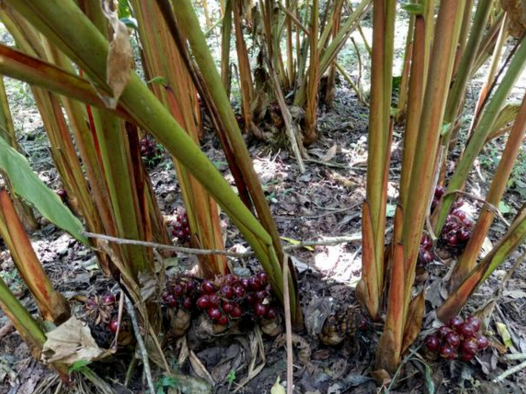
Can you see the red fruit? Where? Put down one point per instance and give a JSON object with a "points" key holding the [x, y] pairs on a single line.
{"points": [[426, 256], [474, 322], [178, 290], [271, 314], [230, 279], [203, 302], [165, 295], [171, 301], [467, 356], [223, 320], [214, 314], [432, 343], [439, 191], [459, 214], [263, 278], [447, 352], [452, 339], [227, 291], [482, 342], [236, 312], [114, 326], [228, 307], [455, 322], [452, 240], [443, 331], [187, 303], [190, 286], [467, 223], [244, 282], [251, 298], [463, 235], [260, 295], [214, 299], [426, 242], [458, 203], [62, 194], [469, 347], [255, 284], [466, 329], [260, 310], [239, 291], [108, 299], [207, 287]]}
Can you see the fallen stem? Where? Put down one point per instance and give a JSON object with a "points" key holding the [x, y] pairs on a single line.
{"points": [[288, 329], [140, 342], [509, 372]]}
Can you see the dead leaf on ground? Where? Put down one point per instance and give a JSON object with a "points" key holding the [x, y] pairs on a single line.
{"points": [[71, 342], [330, 153], [200, 369]]}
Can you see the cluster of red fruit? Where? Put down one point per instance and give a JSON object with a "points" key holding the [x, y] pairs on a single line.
{"points": [[62, 194], [226, 299], [103, 312], [181, 227], [455, 233], [149, 151], [458, 336]]}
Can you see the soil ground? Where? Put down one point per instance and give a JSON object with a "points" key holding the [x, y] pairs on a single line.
{"points": [[322, 202]]}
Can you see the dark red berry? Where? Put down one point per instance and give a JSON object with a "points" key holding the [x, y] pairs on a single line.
{"points": [[190, 286], [239, 291], [236, 312], [459, 214], [62, 194], [223, 320], [214, 299], [260, 295], [227, 291], [263, 278], [230, 279], [439, 191], [469, 346], [108, 299], [482, 342], [260, 310], [244, 282], [467, 356], [467, 223], [214, 313], [426, 256], [187, 303], [466, 329], [178, 290], [171, 301], [455, 322], [228, 307], [254, 284], [452, 240], [447, 352], [114, 326], [463, 235], [251, 298], [426, 242], [165, 295], [207, 287], [432, 343], [452, 339], [203, 302], [474, 322], [271, 314], [443, 331]]}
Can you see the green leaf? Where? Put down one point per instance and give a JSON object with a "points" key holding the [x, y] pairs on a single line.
{"points": [[504, 208], [430, 385], [130, 22], [26, 184], [78, 366], [159, 80], [504, 334], [412, 8]]}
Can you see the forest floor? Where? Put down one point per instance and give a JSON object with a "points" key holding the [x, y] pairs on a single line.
{"points": [[323, 202]]}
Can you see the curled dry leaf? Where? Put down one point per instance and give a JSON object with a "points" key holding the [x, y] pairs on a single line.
{"points": [[71, 342], [120, 57]]}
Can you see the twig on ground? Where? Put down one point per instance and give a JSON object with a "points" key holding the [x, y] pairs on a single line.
{"points": [[140, 342], [7, 329], [323, 242], [509, 372]]}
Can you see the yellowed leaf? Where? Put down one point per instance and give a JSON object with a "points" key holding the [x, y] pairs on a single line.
{"points": [[277, 388], [71, 342]]}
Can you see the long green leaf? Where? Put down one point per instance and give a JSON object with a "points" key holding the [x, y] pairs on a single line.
{"points": [[26, 184]]}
